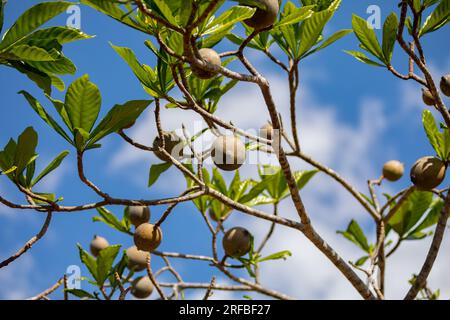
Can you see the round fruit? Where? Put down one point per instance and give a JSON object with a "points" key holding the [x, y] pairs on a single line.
{"points": [[142, 287], [445, 85], [427, 97], [266, 131], [237, 242], [98, 244], [393, 170], [427, 173], [228, 153], [147, 237], [137, 259], [172, 144], [138, 214], [210, 56], [264, 18]]}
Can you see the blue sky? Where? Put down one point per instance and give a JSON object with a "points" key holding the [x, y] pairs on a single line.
{"points": [[352, 117]]}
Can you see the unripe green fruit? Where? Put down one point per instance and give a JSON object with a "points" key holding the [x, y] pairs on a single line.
{"points": [[142, 287], [445, 85], [228, 153], [98, 244], [428, 98], [137, 259], [264, 18], [237, 242], [172, 144], [393, 170], [210, 56], [427, 173], [138, 214], [147, 237], [266, 131]]}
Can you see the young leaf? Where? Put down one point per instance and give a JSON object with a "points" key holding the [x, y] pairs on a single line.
{"points": [[26, 149], [88, 260], [156, 170], [110, 219], [363, 58], [389, 36], [105, 261], [79, 293], [277, 256], [355, 234], [82, 103], [367, 36], [39, 109], [117, 118], [32, 19], [437, 19], [52, 166]]}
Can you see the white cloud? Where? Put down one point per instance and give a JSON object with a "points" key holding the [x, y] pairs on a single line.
{"points": [[15, 279]]}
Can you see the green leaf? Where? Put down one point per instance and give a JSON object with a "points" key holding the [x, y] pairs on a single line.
{"points": [[88, 260], [390, 28], [110, 219], [432, 217], [410, 212], [277, 256], [45, 116], [332, 39], [295, 16], [355, 234], [145, 76], [8, 171], [32, 19], [437, 19], [229, 18], [440, 141], [367, 36], [52, 166], [2, 13], [361, 261], [80, 293], [28, 53], [113, 10], [83, 101], [117, 118], [60, 34], [166, 11], [105, 261], [156, 170], [363, 58], [26, 149], [218, 182]]}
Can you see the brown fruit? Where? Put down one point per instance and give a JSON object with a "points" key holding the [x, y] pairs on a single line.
{"points": [[137, 259], [264, 18], [237, 242], [427, 173], [172, 144], [98, 244], [393, 170], [147, 237], [427, 97], [445, 85], [266, 131], [228, 153], [142, 287], [210, 56], [138, 214]]}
